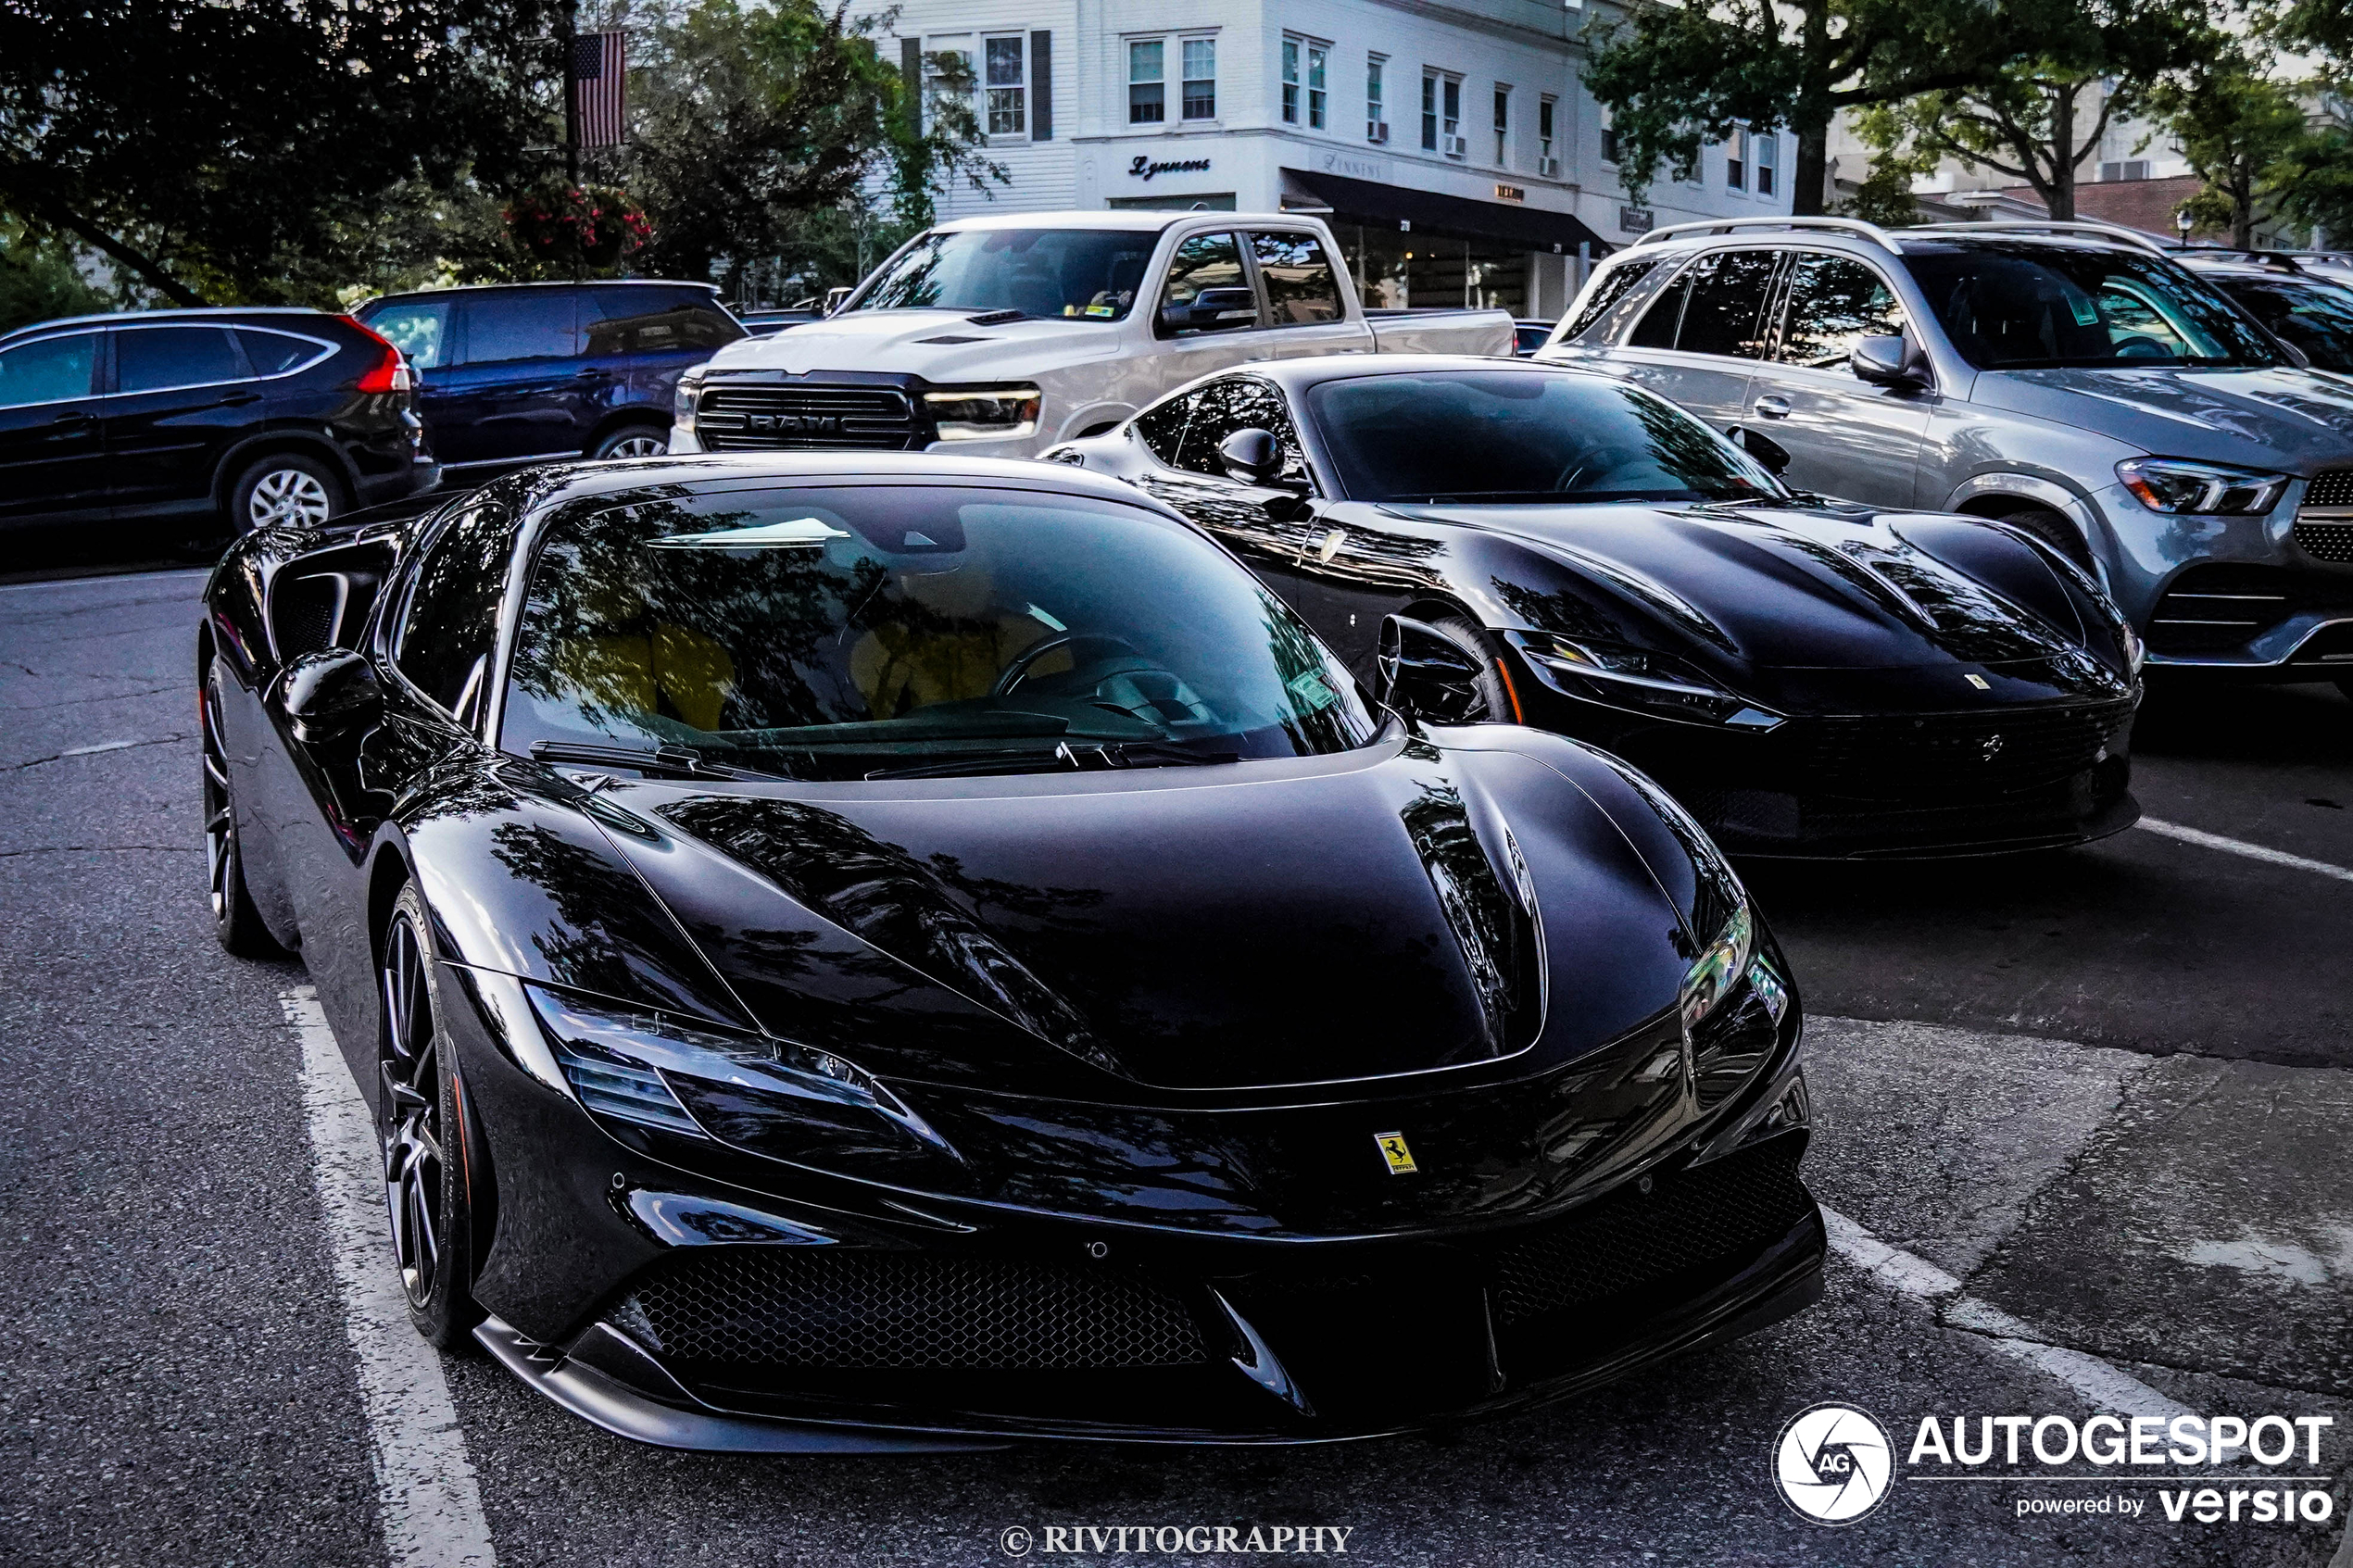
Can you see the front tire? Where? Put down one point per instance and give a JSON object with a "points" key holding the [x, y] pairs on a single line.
{"points": [[633, 440], [417, 1126], [284, 490], [236, 921], [2055, 531]]}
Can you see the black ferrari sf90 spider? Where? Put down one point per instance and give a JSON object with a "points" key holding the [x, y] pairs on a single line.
{"points": [[887, 951], [1808, 676]]}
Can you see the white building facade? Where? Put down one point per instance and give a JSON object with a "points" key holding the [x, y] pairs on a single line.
{"points": [[1452, 148]]}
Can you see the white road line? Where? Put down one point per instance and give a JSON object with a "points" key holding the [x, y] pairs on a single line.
{"points": [[2105, 1387], [104, 577], [424, 1482], [2241, 846], [109, 745]]}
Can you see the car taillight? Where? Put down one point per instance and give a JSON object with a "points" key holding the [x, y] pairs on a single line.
{"points": [[389, 373]]}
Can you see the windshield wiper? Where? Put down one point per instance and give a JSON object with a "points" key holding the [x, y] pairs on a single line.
{"points": [[676, 762], [1099, 756]]}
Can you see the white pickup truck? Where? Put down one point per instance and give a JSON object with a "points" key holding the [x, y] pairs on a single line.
{"points": [[1006, 334]]}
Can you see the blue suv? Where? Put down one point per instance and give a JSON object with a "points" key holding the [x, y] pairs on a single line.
{"points": [[531, 371]]}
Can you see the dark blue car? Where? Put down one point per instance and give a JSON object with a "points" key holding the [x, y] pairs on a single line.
{"points": [[519, 373]]}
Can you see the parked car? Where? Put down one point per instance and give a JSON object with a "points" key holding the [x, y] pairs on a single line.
{"points": [[252, 416], [1807, 677], [1002, 335], [1528, 336], [2069, 379], [531, 371], [765, 323], [2305, 307], [965, 870]]}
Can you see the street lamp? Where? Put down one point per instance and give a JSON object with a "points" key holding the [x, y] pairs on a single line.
{"points": [[2184, 222]]}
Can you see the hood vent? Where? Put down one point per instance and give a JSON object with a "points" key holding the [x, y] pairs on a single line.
{"points": [[952, 338], [996, 318]]}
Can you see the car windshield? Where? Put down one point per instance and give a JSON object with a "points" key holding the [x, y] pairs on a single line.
{"points": [[2316, 316], [1085, 274], [823, 633], [2019, 307], [1442, 436]]}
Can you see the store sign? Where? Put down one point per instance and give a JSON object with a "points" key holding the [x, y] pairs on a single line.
{"points": [[1634, 220], [1144, 168], [1510, 193], [1350, 167]]}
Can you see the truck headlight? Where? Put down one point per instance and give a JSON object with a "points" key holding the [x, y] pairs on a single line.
{"points": [[995, 413], [689, 397], [1630, 677], [2171, 484]]}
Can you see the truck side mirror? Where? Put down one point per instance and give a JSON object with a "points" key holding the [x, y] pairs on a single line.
{"points": [[331, 694], [1423, 674], [1252, 455]]}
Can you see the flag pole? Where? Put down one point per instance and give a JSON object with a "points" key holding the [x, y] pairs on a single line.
{"points": [[569, 11]]}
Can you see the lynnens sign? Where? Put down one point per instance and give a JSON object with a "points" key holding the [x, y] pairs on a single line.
{"points": [[1144, 168]]}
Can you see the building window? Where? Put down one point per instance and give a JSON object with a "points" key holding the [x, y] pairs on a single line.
{"points": [[1502, 126], [1376, 111], [1430, 113], [947, 80], [1291, 81], [1007, 87], [1736, 161], [1547, 113], [1318, 100], [1201, 79], [1768, 157], [1609, 137], [1443, 114], [1147, 89]]}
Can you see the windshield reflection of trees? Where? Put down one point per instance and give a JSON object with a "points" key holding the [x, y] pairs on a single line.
{"points": [[1496, 937]]}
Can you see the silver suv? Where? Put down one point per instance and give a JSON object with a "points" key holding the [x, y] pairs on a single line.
{"points": [[2069, 379]]}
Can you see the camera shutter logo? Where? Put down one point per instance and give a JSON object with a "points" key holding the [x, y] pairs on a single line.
{"points": [[1834, 1463]]}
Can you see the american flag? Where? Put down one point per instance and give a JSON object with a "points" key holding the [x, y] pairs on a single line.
{"points": [[596, 90]]}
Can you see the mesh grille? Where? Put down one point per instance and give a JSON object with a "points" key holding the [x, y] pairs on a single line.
{"points": [[1956, 753], [2326, 541], [805, 1308], [746, 419], [2333, 488], [1740, 1204]]}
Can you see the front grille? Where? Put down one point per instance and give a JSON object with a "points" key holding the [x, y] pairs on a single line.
{"points": [[2333, 488], [1953, 754], [1712, 1215], [770, 419], [2225, 605], [2331, 542], [793, 1307]]}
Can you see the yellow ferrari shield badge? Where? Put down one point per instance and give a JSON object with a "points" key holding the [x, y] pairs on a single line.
{"points": [[1394, 1149]]}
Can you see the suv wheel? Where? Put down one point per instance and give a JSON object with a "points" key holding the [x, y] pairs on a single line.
{"points": [[284, 490], [2055, 531], [633, 440]]}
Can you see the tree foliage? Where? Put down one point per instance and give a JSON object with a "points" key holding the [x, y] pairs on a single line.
{"points": [[39, 280], [2242, 132]]}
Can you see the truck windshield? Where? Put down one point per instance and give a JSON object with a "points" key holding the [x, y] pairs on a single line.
{"points": [[1084, 275], [2031, 306]]}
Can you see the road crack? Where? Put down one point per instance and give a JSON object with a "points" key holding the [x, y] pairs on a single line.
{"points": [[105, 750]]}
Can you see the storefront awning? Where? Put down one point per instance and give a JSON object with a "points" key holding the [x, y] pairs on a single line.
{"points": [[1363, 201]]}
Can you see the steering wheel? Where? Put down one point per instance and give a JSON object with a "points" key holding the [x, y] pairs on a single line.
{"points": [[1073, 641], [1607, 460], [2140, 348]]}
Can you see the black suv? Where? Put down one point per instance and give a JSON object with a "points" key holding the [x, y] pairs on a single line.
{"points": [[266, 416], [537, 371]]}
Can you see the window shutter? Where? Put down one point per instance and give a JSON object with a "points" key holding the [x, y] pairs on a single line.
{"points": [[1041, 86], [911, 68]]}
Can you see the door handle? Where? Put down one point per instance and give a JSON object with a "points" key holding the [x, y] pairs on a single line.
{"points": [[238, 399], [1772, 408], [73, 417], [592, 374]]}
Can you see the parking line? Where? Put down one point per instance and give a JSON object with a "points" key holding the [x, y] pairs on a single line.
{"points": [[2107, 1388], [2241, 846], [105, 577], [431, 1506]]}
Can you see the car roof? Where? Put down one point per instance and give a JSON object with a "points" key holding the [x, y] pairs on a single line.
{"points": [[179, 313], [526, 288], [1145, 222], [556, 482], [1861, 239]]}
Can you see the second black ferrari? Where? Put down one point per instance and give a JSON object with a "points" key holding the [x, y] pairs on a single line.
{"points": [[1809, 677]]}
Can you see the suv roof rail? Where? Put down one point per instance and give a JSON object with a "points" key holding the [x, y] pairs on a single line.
{"points": [[1726, 225], [2278, 260], [2052, 226]]}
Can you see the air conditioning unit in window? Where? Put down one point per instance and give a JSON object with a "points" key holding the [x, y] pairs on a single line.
{"points": [[1377, 130], [1453, 146], [1548, 168]]}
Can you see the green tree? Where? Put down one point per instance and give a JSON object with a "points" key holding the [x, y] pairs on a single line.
{"points": [[214, 149], [39, 280], [2241, 131]]}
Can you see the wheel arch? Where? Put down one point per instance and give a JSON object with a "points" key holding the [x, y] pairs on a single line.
{"points": [[636, 414], [246, 452]]}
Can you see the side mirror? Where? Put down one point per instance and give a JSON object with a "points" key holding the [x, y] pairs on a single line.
{"points": [[1212, 310], [1888, 360], [1761, 447], [1424, 674], [331, 694], [1252, 455]]}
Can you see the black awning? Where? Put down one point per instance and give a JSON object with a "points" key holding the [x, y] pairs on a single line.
{"points": [[1530, 228]]}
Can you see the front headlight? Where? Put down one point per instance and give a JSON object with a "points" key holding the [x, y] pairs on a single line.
{"points": [[995, 413], [2171, 484], [684, 401], [1630, 677], [1720, 968], [2135, 651]]}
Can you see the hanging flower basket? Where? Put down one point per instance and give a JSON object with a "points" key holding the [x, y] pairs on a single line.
{"points": [[595, 226]]}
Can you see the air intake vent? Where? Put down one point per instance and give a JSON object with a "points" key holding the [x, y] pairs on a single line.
{"points": [[2333, 488], [2208, 609], [2331, 542]]}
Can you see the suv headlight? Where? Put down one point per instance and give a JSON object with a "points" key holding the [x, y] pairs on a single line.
{"points": [[689, 397], [2171, 484], [1636, 678], [995, 413]]}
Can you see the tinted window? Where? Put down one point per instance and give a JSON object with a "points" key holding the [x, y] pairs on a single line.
{"points": [[1298, 275], [420, 329], [2314, 317], [1207, 287], [839, 634], [450, 633], [1090, 274], [1726, 311], [1161, 429], [150, 358], [48, 370], [1611, 288], [656, 321], [1519, 436], [1832, 301], [1232, 404], [541, 324], [1658, 324], [274, 353], [2017, 305]]}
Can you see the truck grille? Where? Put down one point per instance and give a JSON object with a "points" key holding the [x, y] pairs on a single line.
{"points": [[804, 419]]}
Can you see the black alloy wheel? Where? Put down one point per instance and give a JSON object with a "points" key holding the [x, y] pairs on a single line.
{"points": [[234, 920], [417, 1126], [1481, 699]]}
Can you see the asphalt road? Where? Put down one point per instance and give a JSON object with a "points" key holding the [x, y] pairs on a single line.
{"points": [[2084, 1120]]}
